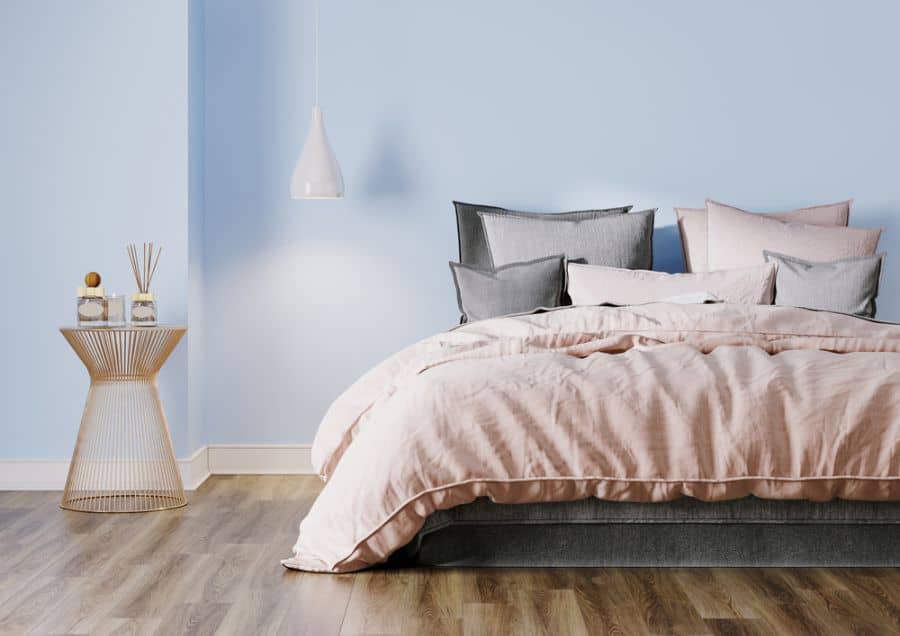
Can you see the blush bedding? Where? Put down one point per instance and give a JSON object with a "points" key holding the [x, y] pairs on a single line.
{"points": [[642, 404]]}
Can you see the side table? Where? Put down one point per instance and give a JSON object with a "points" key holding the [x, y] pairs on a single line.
{"points": [[123, 459]]}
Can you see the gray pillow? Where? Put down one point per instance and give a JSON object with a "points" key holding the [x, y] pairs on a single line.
{"points": [[512, 289], [473, 247], [622, 240], [848, 285]]}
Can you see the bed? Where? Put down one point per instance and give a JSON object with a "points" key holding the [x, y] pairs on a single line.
{"points": [[659, 434]]}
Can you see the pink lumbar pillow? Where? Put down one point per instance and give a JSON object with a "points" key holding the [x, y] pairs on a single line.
{"points": [[692, 227], [737, 239], [598, 285]]}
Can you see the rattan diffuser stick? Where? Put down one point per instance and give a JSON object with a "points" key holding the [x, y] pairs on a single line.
{"points": [[155, 263], [143, 268]]}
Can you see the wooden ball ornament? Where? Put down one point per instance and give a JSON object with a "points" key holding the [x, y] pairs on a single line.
{"points": [[92, 279]]}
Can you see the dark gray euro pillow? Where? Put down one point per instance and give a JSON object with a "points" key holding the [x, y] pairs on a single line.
{"points": [[473, 247], [512, 289], [848, 285], [619, 240]]}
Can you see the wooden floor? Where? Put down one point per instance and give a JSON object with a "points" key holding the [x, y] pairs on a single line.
{"points": [[213, 568]]}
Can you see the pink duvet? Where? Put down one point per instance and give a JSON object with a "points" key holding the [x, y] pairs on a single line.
{"points": [[643, 403]]}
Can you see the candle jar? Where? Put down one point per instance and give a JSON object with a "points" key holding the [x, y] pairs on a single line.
{"points": [[143, 310], [115, 310], [91, 307]]}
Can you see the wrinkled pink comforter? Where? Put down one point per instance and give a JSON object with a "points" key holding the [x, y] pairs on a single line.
{"points": [[644, 403]]}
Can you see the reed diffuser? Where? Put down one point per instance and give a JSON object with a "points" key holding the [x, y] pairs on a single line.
{"points": [[143, 303], [92, 307]]}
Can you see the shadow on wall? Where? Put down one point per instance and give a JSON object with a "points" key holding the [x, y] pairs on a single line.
{"points": [[667, 255], [389, 171], [886, 218]]}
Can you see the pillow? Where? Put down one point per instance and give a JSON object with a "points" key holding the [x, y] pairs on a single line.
{"points": [[593, 285], [692, 227], [621, 240], [737, 239], [511, 289], [847, 285], [473, 249]]}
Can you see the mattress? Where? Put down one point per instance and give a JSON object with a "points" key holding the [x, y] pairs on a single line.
{"points": [[685, 510]]}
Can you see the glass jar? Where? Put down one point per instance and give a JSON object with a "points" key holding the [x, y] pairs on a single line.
{"points": [[115, 310], [143, 310], [91, 307]]}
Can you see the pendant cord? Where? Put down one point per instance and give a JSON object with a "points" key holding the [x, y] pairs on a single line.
{"points": [[317, 52]]}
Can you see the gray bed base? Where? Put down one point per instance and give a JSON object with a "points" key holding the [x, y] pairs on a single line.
{"points": [[685, 532]]}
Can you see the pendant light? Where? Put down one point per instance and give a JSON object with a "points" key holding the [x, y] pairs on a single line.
{"points": [[317, 174]]}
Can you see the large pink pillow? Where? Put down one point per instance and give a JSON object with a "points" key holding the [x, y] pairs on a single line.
{"points": [[692, 227], [737, 239], [597, 285]]}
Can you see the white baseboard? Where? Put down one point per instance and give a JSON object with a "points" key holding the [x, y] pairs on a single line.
{"points": [[33, 474], [215, 459], [260, 459], [195, 469]]}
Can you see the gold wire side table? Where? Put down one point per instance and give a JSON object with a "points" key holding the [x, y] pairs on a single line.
{"points": [[123, 459]]}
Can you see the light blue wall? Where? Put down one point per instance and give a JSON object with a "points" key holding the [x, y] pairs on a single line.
{"points": [[181, 120], [93, 155], [766, 105]]}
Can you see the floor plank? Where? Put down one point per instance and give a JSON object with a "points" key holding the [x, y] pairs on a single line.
{"points": [[213, 568]]}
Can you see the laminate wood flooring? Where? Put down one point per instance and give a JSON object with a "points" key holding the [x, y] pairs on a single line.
{"points": [[213, 568]]}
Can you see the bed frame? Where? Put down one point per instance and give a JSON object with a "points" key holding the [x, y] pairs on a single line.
{"points": [[684, 532]]}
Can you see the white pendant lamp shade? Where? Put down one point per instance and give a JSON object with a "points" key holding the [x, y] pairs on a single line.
{"points": [[317, 174]]}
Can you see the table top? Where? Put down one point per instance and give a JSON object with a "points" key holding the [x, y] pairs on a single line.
{"points": [[127, 328], [123, 353]]}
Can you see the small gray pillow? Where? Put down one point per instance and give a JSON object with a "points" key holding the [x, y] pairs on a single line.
{"points": [[848, 285], [512, 289], [622, 240], [473, 247]]}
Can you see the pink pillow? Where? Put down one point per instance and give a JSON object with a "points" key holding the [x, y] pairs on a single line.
{"points": [[692, 227], [737, 239], [596, 285]]}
